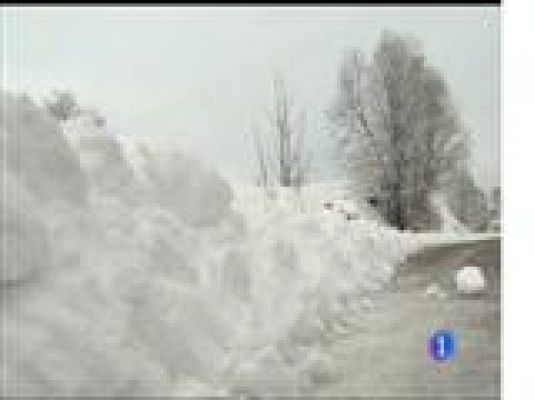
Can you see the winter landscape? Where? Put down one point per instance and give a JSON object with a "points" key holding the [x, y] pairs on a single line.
{"points": [[266, 202]]}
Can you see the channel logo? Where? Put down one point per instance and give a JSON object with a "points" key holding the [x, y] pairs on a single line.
{"points": [[442, 345]]}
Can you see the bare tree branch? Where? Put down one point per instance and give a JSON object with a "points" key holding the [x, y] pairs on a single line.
{"points": [[280, 151]]}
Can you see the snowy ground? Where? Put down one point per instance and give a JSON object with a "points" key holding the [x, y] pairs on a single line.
{"points": [[385, 352], [153, 276]]}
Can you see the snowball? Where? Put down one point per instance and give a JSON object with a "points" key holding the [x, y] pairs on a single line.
{"points": [[470, 279]]}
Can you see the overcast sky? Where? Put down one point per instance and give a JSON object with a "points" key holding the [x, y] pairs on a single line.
{"points": [[203, 76]]}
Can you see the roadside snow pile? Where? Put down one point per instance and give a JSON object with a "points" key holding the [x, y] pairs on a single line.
{"points": [[150, 283], [100, 156], [21, 229], [34, 149], [470, 279], [308, 274], [312, 198], [41, 181]]}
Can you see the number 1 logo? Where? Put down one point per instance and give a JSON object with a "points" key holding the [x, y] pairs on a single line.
{"points": [[442, 345]]}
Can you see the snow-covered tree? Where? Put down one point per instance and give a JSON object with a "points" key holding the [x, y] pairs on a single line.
{"points": [[468, 202], [496, 203], [399, 136]]}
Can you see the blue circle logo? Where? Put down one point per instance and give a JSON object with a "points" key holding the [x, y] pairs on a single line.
{"points": [[442, 345]]}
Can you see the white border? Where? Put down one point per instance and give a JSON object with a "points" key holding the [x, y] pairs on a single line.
{"points": [[518, 146]]}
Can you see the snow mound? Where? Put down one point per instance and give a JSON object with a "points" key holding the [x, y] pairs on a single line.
{"points": [[470, 279], [165, 286], [26, 247], [34, 149], [327, 197], [193, 191]]}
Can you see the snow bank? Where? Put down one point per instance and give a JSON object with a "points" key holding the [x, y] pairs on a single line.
{"points": [[311, 198], [156, 283], [25, 246], [34, 149]]}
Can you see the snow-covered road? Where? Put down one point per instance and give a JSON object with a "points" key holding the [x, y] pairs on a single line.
{"points": [[385, 354]]}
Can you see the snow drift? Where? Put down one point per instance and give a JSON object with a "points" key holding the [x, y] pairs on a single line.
{"points": [[146, 280]]}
